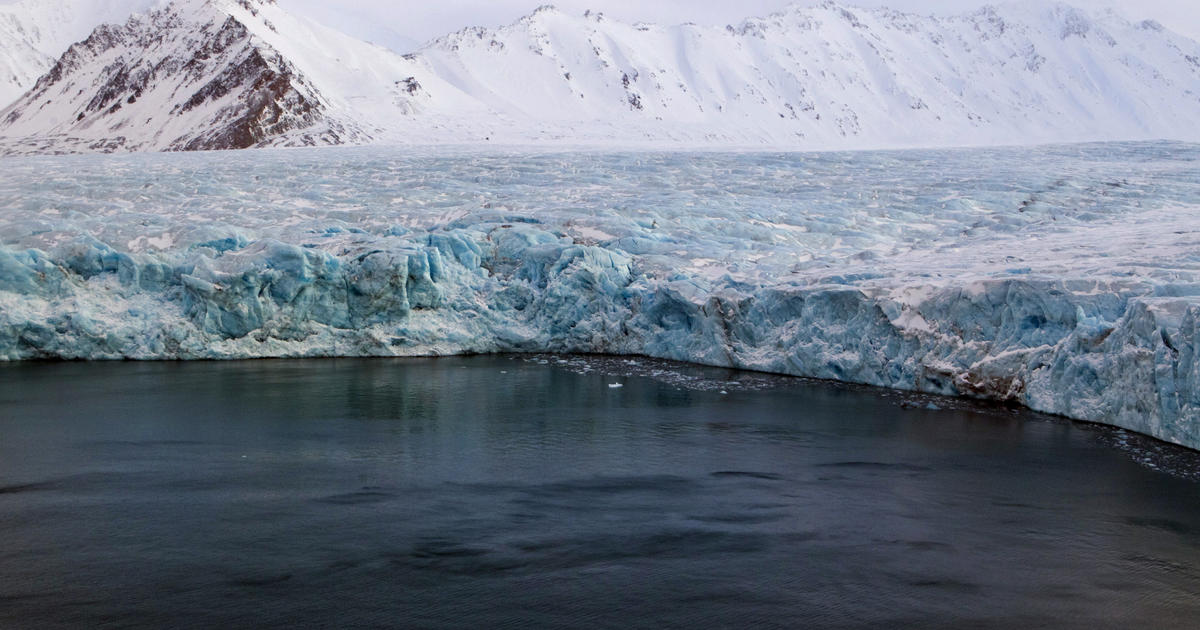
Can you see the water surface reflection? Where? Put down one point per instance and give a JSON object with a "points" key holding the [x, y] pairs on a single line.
{"points": [[505, 492]]}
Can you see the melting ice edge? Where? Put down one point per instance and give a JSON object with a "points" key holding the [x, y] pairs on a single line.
{"points": [[1062, 278]]}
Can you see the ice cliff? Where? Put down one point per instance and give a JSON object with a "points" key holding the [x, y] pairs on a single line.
{"points": [[1064, 279]]}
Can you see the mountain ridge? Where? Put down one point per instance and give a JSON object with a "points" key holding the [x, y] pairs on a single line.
{"points": [[155, 75], [34, 33], [831, 76]]}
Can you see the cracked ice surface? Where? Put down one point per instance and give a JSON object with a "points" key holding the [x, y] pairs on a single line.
{"points": [[1065, 278]]}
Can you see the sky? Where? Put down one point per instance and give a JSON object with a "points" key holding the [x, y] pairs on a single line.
{"points": [[403, 24]]}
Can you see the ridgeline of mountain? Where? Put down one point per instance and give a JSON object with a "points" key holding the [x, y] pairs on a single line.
{"points": [[224, 74], [33, 33], [188, 76]]}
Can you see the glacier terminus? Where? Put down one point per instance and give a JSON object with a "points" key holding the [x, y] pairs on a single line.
{"points": [[321, 313], [1063, 278]]}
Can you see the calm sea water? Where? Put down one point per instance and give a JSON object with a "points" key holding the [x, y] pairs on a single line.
{"points": [[508, 492]]}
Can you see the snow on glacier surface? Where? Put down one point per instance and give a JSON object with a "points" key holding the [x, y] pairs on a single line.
{"points": [[1065, 278]]}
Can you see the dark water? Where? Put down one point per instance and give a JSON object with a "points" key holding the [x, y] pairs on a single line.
{"points": [[500, 492]]}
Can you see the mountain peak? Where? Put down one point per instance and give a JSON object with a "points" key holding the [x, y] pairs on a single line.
{"points": [[542, 15], [253, 6], [202, 74], [188, 60]]}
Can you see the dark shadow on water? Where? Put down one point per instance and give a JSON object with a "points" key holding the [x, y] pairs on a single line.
{"points": [[876, 466], [738, 474], [507, 492]]}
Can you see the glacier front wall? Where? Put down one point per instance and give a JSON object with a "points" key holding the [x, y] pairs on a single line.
{"points": [[1065, 279], [1125, 355]]}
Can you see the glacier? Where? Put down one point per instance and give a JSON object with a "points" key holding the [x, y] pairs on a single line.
{"points": [[1064, 278]]}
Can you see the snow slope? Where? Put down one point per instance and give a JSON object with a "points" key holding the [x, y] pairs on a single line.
{"points": [[217, 74], [1063, 278], [824, 77], [33, 33], [839, 76], [186, 76]]}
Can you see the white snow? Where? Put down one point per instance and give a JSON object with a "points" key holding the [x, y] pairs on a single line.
{"points": [[33, 33], [825, 77]]}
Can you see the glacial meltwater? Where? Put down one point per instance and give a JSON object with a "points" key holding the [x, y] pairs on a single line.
{"points": [[543, 492]]}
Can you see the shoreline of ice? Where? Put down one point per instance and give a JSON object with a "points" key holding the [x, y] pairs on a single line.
{"points": [[1068, 283]]}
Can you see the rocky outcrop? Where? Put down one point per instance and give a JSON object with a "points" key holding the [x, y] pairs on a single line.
{"points": [[183, 78], [209, 74]]}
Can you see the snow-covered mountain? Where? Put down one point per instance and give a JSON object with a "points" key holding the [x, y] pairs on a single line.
{"points": [[21, 56], [33, 33], [203, 74], [836, 75], [209, 74]]}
